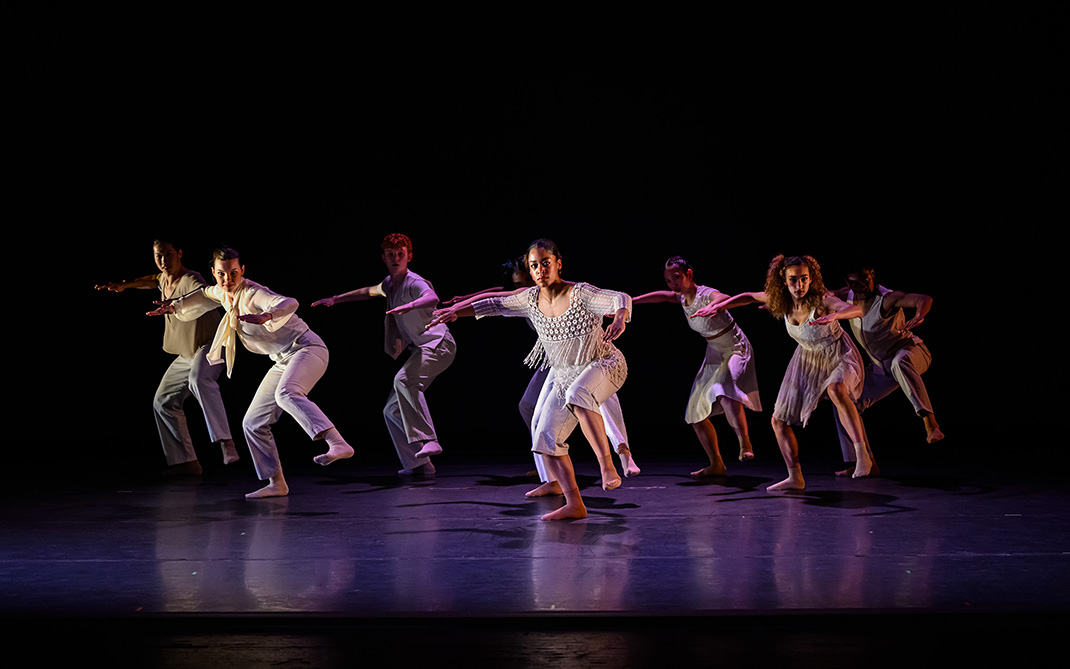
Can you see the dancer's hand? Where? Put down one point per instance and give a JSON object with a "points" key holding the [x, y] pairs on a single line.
{"points": [[447, 315], [708, 311], [614, 330], [163, 307], [914, 322], [255, 319], [326, 302]]}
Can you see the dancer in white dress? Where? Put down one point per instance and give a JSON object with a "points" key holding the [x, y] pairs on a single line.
{"points": [[586, 369], [726, 382], [266, 323], [826, 363]]}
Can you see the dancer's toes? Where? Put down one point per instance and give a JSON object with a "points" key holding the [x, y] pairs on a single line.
{"points": [[422, 471], [717, 469], [270, 490], [847, 472], [568, 511], [627, 463], [429, 448], [746, 452], [611, 481], [337, 452], [934, 436], [790, 483], [191, 468], [548, 488]]}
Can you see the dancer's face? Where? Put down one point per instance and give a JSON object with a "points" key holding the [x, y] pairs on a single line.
{"points": [[861, 283], [797, 279], [228, 274], [397, 259], [168, 260], [678, 280], [545, 267]]}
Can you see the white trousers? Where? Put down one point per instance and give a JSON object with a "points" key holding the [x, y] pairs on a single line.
{"points": [[550, 421], [185, 377], [408, 419], [904, 371], [285, 388]]}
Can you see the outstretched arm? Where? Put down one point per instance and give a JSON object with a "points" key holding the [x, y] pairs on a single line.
{"points": [[463, 309], [148, 281], [366, 293], [838, 310], [427, 299], [742, 299], [654, 297]]}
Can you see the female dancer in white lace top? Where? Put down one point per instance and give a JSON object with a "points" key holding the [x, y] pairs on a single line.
{"points": [[726, 382], [826, 363], [585, 367]]}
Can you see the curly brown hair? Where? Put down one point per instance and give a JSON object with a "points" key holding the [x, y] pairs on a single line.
{"points": [[778, 300], [396, 240]]}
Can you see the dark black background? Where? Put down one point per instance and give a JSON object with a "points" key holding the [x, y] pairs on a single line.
{"points": [[932, 144]]}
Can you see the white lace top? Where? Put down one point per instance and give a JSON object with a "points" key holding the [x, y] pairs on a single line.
{"points": [[573, 340]]}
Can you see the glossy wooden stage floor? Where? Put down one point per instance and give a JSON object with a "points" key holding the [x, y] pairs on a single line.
{"points": [[356, 562]]}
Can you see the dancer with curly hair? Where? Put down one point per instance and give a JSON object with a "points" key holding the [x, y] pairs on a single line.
{"points": [[825, 364]]}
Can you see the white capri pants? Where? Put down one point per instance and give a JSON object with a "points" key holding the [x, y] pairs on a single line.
{"points": [[185, 377]]}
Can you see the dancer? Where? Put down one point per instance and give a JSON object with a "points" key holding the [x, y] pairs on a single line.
{"points": [[585, 368], [897, 356], [410, 302], [726, 381], [516, 278], [189, 373], [266, 323], [826, 362]]}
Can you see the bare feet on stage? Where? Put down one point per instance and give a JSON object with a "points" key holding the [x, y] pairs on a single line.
{"points": [[429, 448], [714, 469], [191, 468], [874, 471], [610, 479], [548, 488], [793, 482], [746, 451], [627, 463], [571, 510], [422, 471], [335, 452], [276, 487], [230, 454]]}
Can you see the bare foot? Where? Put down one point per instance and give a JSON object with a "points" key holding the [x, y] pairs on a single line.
{"points": [[430, 448], [874, 470], [191, 468], [793, 482], [272, 489], [337, 452], [569, 510], [548, 488], [230, 454], [423, 471], [933, 433], [627, 463], [610, 479], [746, 451], [716, 469]]}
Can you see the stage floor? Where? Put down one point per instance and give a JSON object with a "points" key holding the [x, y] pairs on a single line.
{"points": [[356, 562]]}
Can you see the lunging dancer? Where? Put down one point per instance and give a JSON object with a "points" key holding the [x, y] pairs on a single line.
{"points": [[825, 364], [586, 368], [726, 381], [266, 323]]}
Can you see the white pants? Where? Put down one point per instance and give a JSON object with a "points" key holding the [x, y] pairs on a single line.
{"points": [[904, 371], [185, 377], [407, 417], [285, 388], [612, 417]]}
